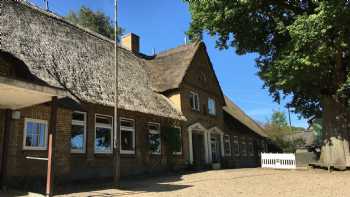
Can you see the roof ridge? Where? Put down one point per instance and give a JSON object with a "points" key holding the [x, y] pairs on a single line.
{"points": [[177, 48], [62, 19]]}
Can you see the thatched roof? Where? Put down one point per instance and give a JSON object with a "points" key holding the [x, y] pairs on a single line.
{"points": [[232, 109], [168, 68], [82, 62]]}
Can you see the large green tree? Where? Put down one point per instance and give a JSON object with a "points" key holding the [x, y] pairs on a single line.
{"points": [[303, 48], [94, 21]]}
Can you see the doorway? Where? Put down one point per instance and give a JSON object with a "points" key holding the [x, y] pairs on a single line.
{"points": [[198, 149]]}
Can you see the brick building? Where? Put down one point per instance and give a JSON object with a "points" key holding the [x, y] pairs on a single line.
{"points": [[42, 56]]}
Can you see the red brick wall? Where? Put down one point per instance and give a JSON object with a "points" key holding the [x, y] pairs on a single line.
{"points": [[235, 128], [200, 78], [80, 166], [17, 163]]}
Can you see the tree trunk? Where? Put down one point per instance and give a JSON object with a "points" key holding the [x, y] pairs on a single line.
{"points": [[335, 147]]}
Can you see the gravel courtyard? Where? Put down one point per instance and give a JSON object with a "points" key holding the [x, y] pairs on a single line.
{"points": [[237, 183]]}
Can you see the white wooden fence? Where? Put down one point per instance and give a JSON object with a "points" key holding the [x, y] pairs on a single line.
{"points": [[278, 160]]}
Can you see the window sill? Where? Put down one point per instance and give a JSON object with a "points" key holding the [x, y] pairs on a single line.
{"points": [[103, 153], [34, 149], [127, 152]]}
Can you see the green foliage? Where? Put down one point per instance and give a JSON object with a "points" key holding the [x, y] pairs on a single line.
{"points": [[172, 139], [303, 45], [279, 132], [279, 118], [316, 127], [94, 21]]}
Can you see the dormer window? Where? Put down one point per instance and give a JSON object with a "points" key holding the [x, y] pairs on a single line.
{"points": [[211, 106], [194, 100]]}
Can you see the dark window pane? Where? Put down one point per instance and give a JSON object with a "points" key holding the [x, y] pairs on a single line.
{"points": [[104, 120], [192, 100], [103, 140], [78, 116], [127, 140], [127, 123], [153, 126], [177, 136]]}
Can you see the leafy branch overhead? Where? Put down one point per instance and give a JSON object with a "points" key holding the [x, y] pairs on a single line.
{"points": [[303, 45], [94, 21]]}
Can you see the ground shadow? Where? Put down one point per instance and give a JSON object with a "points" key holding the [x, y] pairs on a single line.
{"points": [[131, 186], [11, 193]]}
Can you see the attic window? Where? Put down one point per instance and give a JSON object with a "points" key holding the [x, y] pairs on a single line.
{"points": [[194, 101], [211, 106]]}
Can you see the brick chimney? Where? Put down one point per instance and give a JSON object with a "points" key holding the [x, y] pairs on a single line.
{"points": [[131, 42]]}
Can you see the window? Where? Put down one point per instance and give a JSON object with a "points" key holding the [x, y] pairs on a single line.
{"points": [[154, 138], [264, 148], [194, 100], [35, 134], [103, 134], [127, 136], [227, 145], [251, 147], [236, 145], [211, 106], [244, 147], [177, 142], [78, 134]]}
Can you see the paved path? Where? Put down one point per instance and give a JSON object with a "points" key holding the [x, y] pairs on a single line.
{"points": [[237, 183]]}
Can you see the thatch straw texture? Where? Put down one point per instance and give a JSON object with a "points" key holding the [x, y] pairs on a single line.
{"points": [[80, 61]]}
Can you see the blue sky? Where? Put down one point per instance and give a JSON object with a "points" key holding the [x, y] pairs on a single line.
{"points": [[162, 24]]}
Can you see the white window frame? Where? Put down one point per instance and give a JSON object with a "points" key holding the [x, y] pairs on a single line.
{"points": [[214, 106], [180, 130], [80, 123], [26, 120], [236, 141], [195, 97], [129, 152], [155, 132], [228, 141], [105, 126]]}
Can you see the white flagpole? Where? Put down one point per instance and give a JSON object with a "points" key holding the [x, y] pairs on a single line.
{"points": [[116, 144]]}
